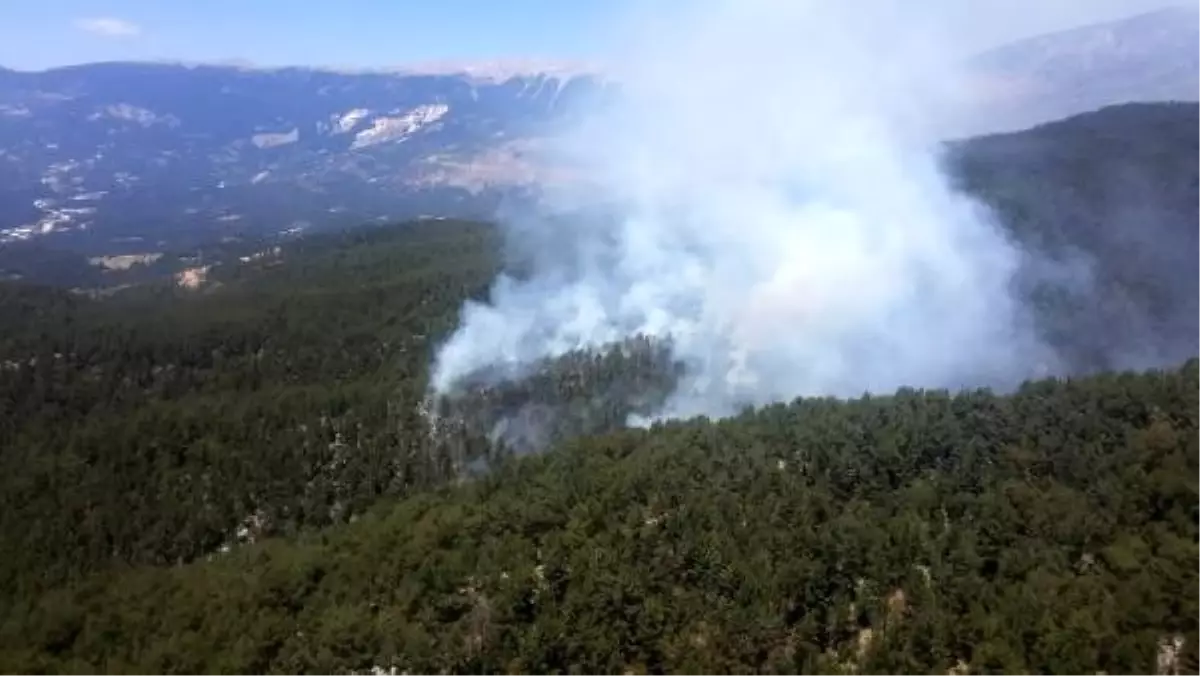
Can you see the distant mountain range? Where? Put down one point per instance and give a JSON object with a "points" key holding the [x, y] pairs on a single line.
{"points": [[100, 155], [120, 150], [1148, 57]]}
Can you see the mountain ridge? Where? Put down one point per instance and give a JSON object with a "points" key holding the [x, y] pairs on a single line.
{"points": [[95, 153], [499, 69], [1152, 56], [76, 136]]}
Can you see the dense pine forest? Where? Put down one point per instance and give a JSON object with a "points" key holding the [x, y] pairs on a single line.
{"points": [[1053, 530], [1107, 200], [249, 476], [164, 423]]}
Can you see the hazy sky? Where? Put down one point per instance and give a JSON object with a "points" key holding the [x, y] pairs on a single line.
{"points": [[375, 33]]}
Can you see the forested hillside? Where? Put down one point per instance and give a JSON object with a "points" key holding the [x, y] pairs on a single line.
{"points": [[248, 476], [1106, 204], [1050, 531], [162, 424], [154, 426]]}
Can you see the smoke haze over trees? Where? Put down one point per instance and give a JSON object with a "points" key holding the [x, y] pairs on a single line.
{"points": [[809, 205], [809, 239], [321, 460], [157, 427]]}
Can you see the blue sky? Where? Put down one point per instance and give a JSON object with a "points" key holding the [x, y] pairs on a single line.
{"points": [[37, 34]]}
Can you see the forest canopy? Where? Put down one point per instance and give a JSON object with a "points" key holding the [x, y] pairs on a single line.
{"points": [[1053, 530], [251, 476]]}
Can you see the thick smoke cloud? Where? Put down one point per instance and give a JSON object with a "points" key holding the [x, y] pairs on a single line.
{"points": [[777, 212]]}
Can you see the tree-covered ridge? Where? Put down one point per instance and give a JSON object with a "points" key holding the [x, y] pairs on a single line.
{"points": [[1105, 204], [1053, 530], [160, 425], [152, 426]]}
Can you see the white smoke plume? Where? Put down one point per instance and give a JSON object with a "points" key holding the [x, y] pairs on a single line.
{"points": [[781, 217]]}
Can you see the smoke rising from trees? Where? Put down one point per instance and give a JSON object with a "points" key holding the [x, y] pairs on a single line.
{"points": [[781, 216]]}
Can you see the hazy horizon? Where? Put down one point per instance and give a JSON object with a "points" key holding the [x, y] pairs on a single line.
{"points": [[407, 36]]}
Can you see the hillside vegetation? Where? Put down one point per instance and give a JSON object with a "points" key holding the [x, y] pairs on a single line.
{"points": [[249, 476], [150, 427], [1106, 202], [1050, 531]]}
